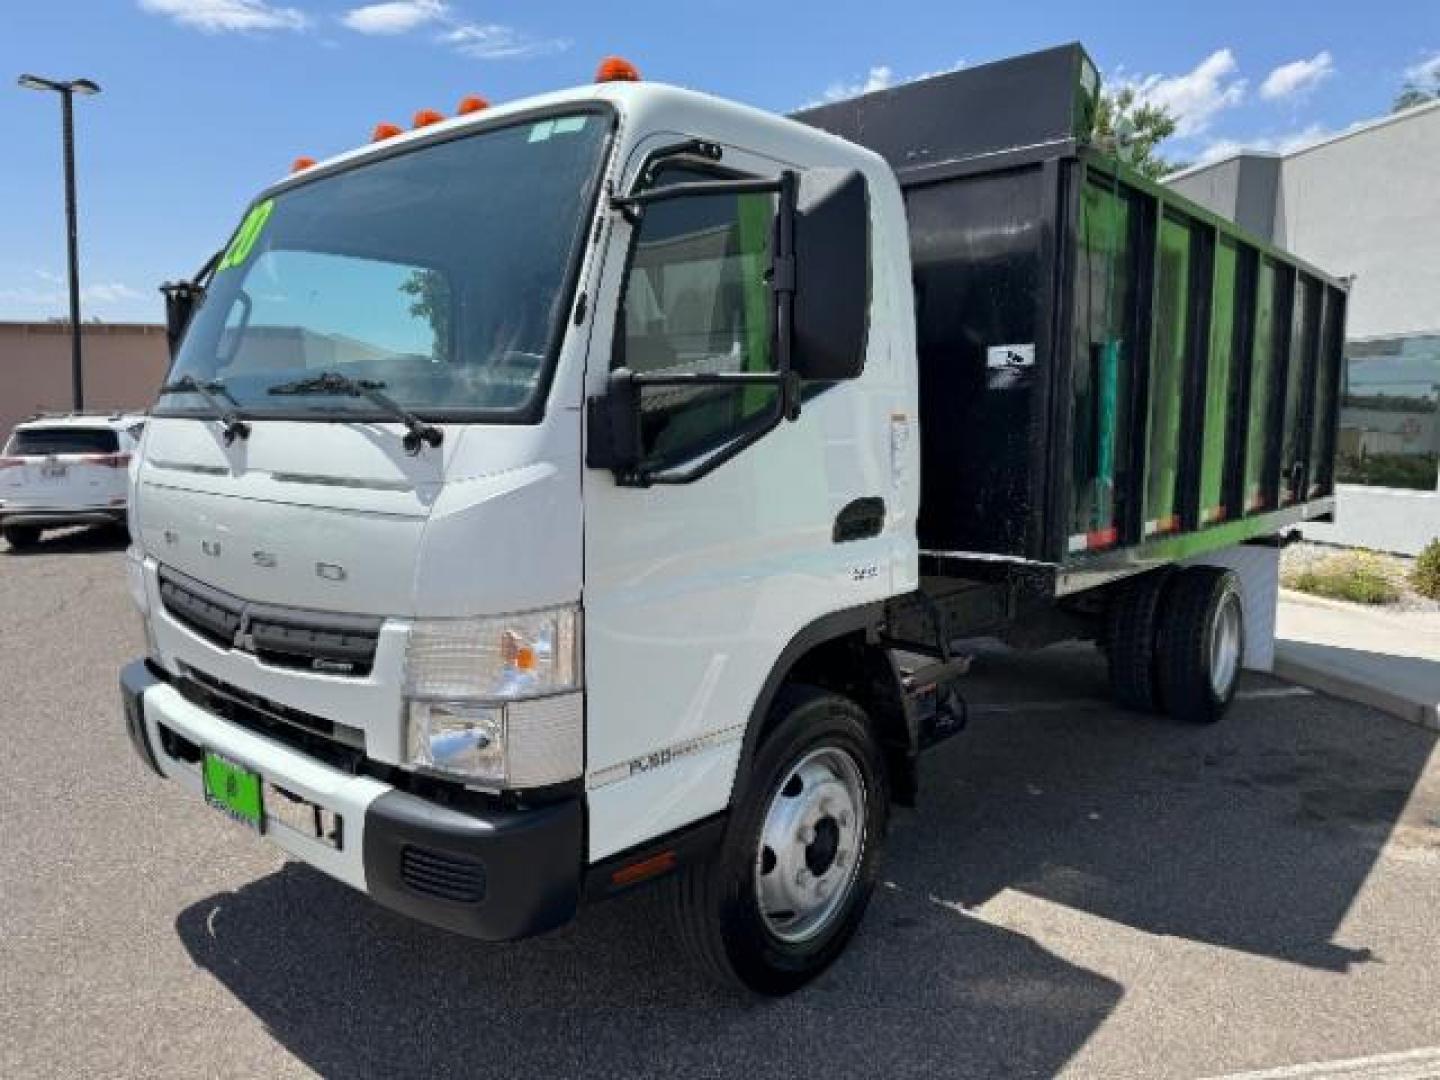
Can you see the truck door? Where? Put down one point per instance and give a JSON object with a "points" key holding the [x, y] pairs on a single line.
{"points": [[692, 589]]}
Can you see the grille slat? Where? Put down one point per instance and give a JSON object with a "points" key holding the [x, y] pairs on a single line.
{"points": [[338, 745], [322, 642]]}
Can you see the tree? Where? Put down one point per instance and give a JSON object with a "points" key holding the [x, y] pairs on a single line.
{"points": [[1132, 130], [432, 303], [1422, 85], [1413, 95]]}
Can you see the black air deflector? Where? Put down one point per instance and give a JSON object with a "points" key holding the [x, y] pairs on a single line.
{"points": [[321, 642]]}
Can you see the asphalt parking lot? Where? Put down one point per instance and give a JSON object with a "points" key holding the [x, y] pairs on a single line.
{"points": [[1081, 892]]}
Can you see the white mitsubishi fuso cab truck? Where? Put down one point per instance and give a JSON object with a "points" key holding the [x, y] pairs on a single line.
{"points": [[590, 491]]}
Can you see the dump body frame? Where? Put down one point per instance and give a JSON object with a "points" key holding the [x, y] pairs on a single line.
{"points": [[999, 249]]}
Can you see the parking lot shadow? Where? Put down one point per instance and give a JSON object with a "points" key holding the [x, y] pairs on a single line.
{"points": [[352, 990], [1255, 834]]}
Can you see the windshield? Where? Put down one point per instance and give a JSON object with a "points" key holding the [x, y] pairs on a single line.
{"points": [[441, 274], [38, 442]]}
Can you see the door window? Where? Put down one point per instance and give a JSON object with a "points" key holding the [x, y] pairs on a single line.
{"points": [[698, 300]]}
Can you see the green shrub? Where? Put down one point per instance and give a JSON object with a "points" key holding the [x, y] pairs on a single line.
{"points": [[1388, 470], [1426, 575], [1357, 576]]}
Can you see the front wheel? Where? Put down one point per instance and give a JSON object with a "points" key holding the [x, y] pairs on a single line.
{"points": [[779, 901]]}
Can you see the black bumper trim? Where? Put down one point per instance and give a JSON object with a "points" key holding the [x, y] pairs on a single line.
{"points": [[685, 846], [527, 863], [56, 519], [135, 678]]}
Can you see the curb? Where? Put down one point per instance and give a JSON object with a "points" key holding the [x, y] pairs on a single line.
{"points": [[1420, 713]]}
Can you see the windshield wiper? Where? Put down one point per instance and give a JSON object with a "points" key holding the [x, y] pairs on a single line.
{"points": [[215, 396], [334, 384]]}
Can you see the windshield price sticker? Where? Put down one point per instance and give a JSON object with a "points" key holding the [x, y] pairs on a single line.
{"points": [[250, 230], [565, 125]]}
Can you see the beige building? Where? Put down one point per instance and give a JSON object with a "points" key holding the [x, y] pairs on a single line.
{"points": [[124, 366]]}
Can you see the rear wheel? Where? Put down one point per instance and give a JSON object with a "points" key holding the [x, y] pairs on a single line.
{"points": [[1201, 645], [21, 536], [1132, 623], [779, 901]]}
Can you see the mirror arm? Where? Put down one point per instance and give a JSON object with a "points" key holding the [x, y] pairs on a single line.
{"points": [[684, 148], [639, 200]]}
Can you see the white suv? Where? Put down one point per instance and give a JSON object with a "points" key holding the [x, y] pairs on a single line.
{"points": [[66, 470]]}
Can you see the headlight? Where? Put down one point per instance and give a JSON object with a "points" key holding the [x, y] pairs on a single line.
{"points": [[497, 700]]}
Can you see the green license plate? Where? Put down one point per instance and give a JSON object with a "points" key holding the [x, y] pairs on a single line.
{"points": [[234, 790]]}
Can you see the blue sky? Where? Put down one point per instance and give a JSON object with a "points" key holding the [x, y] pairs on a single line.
{"points": [[205, 101]]}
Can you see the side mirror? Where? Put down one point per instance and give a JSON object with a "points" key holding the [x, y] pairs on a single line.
{"points": [[614, 425], [181, 300], [832, 275]]}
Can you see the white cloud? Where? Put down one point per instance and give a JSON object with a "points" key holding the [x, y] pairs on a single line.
{"points": [[879, 77], [1274, 144], [394, 17], [482, 41], [1426, 72], [112, 292], [1297, 77], [54, 295], [491, 41], [1196, 97], [221, 16]]}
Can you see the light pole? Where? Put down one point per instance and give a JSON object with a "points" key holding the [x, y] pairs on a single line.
{"points": [[67, 91]]}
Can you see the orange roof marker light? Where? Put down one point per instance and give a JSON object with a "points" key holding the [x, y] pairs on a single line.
{"points": [[300, 164], [616, 69], [472, 104], [426, 117], [384, 131]]}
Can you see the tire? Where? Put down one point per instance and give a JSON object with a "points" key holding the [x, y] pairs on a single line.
{"points": [[820, 747], [1202, 643], [1132, 624], [21, 536]]}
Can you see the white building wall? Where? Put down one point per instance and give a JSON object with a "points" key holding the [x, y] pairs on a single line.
{"points": [[1368, 204], [1386, 519], [1365, 204]]}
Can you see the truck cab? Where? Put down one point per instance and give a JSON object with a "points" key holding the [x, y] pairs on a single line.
{"points": [[502, 485]]}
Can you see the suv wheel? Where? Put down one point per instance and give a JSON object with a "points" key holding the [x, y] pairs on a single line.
{"points": [[21, 536]]}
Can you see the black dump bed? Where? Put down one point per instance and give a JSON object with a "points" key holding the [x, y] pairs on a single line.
{"points": [[1110, 375]]}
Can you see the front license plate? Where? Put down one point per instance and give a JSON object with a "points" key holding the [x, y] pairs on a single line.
{"points": [[234, 790]]}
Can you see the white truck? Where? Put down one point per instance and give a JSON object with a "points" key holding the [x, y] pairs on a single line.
{"points": [[545, 501]]}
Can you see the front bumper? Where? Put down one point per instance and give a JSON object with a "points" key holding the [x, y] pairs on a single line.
{"points": [[502, 875], [48, 518]]}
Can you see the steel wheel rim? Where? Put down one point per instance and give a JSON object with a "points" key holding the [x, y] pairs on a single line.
{"points": [[1225, 646], [811, 845]]}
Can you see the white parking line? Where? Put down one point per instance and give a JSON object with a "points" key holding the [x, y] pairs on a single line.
{"points": [[1410, 1065], [1074, 704]]}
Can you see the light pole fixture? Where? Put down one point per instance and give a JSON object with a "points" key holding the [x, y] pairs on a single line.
{"points": [[67, 91]]}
